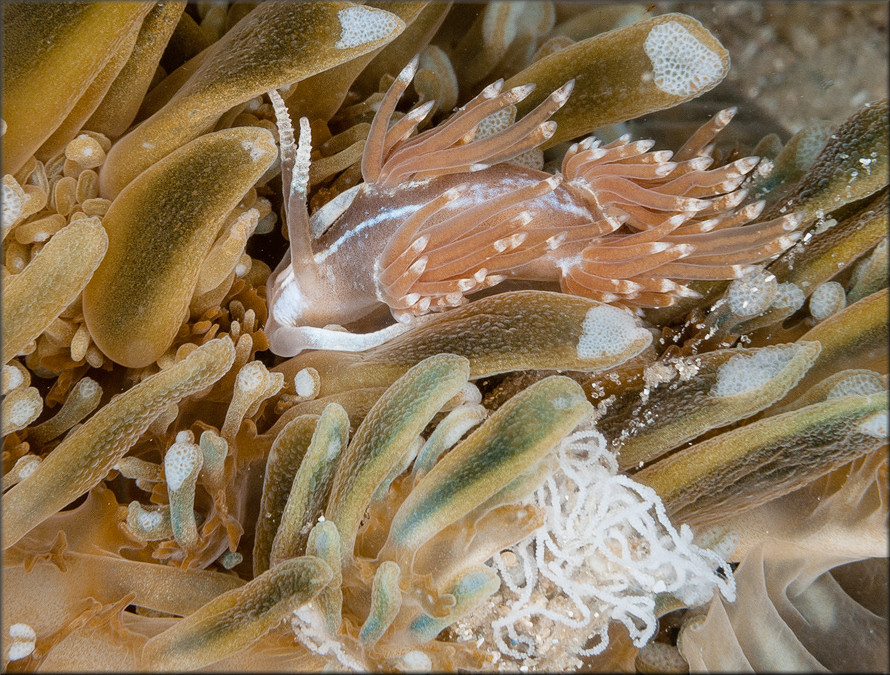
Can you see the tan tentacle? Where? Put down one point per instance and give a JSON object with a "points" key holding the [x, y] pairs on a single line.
{"points": [[402, 129], [440, 254], [649, 185], [461, 126], [450, 149], [372, 158], [651, 268], [699, 141]]}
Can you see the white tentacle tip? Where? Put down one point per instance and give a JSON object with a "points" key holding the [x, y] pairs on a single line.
{"points": [[408, 72], [521, 92], [792, 221], [562, 94], [493, 89], [548, 128], [422, 110], [725, 116]]}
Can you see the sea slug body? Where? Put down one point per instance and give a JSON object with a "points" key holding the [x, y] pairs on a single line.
{"points": [[443, 213]]}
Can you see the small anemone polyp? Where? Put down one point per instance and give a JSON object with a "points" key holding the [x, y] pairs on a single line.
{"points": [[515, 397]]}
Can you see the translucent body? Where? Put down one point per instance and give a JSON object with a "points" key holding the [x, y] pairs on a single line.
{"points": [[444, 213]]}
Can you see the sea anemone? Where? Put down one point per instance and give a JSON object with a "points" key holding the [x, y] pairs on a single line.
{"points": [[526, 391]]}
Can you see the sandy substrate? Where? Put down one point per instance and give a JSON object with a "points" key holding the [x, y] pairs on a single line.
{"points": [[801, 62]]}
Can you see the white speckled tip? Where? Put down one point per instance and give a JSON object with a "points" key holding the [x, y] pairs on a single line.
{"points": [[744, 373], [607, 331], [681, 64], [361, 25]]}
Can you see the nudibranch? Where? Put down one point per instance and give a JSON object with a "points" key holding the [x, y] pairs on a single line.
{"points": [[445, 213]]}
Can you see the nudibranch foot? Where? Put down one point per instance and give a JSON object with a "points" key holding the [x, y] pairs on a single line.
{"points": [[291, 340]]}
